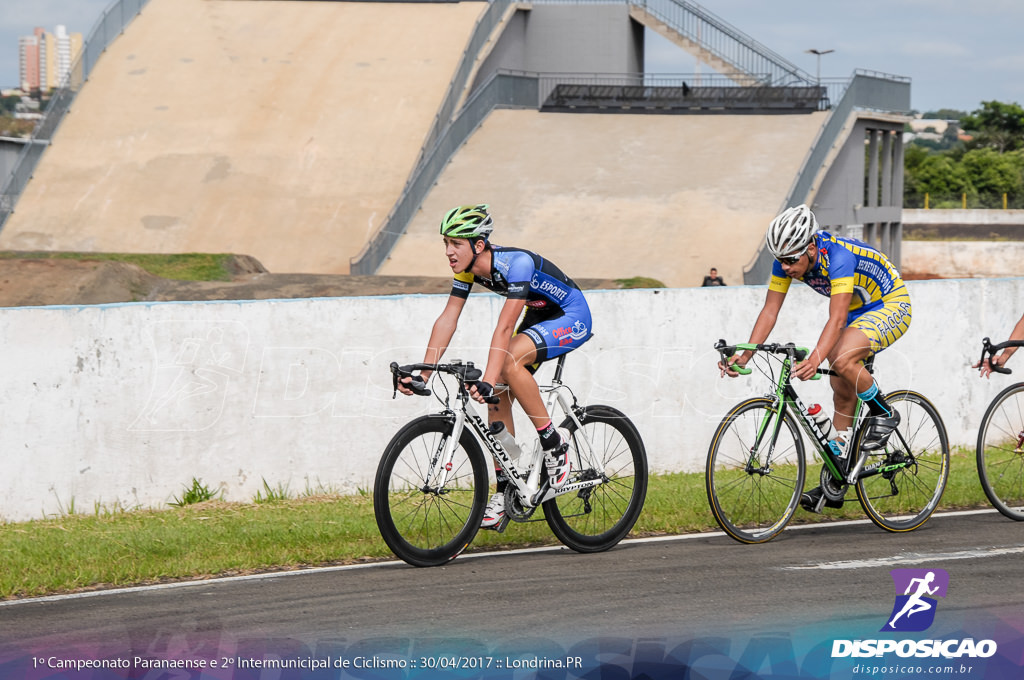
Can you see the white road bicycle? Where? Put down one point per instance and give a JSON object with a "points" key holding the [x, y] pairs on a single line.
{"points": [[432, 483]]}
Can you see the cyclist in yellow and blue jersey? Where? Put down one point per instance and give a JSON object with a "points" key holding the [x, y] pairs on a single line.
{"points": [[557, 320], [869, 309]]}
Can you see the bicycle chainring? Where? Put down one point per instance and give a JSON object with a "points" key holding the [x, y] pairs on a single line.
{"points": [[833, 490], [514, 509]]}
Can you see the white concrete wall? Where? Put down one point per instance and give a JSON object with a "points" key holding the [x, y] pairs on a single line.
{"points": [[963, 259], [122, 405], [913, 217]]}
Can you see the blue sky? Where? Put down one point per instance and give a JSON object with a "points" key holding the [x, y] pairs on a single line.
{"points": [[956, 54]]}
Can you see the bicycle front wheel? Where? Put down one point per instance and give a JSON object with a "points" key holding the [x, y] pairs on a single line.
{"points": [[598, 517], [912, 469], [426, 513], [1001, 452], [754, 478]]}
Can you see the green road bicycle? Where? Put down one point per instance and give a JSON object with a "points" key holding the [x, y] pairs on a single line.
{"points": [[1001, 442], [432, 482], [756, 465]]}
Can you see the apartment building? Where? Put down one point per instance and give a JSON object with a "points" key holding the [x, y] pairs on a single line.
{"points": [[45, 59]]}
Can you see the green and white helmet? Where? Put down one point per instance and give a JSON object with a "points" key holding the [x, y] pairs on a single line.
{"points": [[467, 221]]}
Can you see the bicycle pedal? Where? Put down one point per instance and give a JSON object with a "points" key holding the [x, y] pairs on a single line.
{"points": [[500, 526]]}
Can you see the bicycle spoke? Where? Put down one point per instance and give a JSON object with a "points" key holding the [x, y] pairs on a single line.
{"points": [[753, 494], [1000, 464], [598, 517], [903, 499]]}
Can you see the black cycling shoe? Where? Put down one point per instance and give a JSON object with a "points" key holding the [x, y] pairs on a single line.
{"points": [[879, 429], [814, 500]]}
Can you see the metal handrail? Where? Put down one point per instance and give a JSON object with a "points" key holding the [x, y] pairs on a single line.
{"points": [[893, 97], [107, 28]]}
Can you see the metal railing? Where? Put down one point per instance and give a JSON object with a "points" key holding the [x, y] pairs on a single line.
{"points": [[690, 20], [683, 92], [106, 29], [501, 90], [723, 41], [485, 25], [867, 90]]}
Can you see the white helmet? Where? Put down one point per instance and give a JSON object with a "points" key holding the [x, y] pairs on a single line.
{"points": [[790, 232]]}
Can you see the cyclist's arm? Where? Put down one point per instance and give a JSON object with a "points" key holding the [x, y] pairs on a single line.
{"points": [[440, 335], [501, 338], [1003, 356], [762, 326], [838, 308], [1016, 334]]}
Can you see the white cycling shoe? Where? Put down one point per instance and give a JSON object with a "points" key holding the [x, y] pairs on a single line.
{"points": [[556, 461], [494, 513]]}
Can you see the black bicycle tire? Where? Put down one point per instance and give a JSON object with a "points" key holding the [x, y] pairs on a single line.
{"points": [[604, 497], [721, 515], [384, 505], [863, 494], [981, 455]]}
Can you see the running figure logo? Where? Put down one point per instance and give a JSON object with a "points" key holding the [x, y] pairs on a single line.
{"points": [[916, 589]]}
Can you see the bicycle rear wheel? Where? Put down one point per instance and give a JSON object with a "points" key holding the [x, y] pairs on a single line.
{"points": [[597, 518], [754, 487], [1001, 453], [424, 522], [903, 499]]}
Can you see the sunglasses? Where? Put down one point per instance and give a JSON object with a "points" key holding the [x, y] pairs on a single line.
{"points": [[791, 260]]}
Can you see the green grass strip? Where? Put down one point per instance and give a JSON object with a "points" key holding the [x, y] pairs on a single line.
{"points": [[182, 267], [119, 548]]}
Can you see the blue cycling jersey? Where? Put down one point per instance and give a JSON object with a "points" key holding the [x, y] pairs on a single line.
{"points": [[846, 265], [522, 275], [558, 317]]}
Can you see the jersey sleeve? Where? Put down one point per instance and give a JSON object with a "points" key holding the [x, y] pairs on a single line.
{"points": [[461, 285], [843, 268], [779, 281]]}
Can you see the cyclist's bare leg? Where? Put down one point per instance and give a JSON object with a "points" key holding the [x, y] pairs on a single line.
{"points": [[521, 354], [847, 359], [502, 411]]}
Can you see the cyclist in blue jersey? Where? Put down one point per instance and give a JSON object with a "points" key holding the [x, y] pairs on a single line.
{"points": [[557, 320], [869, 309]]}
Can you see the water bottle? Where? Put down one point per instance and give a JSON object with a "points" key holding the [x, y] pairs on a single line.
{"points": [[507, 441], [821, 419]]}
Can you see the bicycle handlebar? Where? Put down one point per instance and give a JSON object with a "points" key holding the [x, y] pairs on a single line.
{"points": [[789, 349], [467, 373], [990, 349]]}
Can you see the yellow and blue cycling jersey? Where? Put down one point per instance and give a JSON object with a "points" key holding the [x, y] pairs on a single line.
{"points": [[880, 304], [558, 317]]}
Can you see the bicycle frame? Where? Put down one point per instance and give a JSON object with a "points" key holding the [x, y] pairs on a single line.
{"points": [[786, 397], [526, 479]]}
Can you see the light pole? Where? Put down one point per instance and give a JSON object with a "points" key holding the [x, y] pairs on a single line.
{"points": [[818, 53]]}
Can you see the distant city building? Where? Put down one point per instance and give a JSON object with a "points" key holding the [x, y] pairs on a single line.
{"points": [[45, 59]]}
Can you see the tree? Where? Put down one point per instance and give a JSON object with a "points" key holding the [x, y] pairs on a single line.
{"points": [[946, 114], [990, 172], [936, 175], [996, 125]]}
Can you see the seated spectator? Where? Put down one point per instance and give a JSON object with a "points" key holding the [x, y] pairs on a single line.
{"points": [[713, 279]]}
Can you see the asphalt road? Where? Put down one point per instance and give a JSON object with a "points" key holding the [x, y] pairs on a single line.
{"points": [[811, 581]]}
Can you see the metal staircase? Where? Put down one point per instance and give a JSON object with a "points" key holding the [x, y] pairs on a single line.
{"points": [[714, 42], [738, 56]]}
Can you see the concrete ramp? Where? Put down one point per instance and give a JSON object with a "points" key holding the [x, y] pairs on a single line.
{"points": [[616, 196], [282, 130]]}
